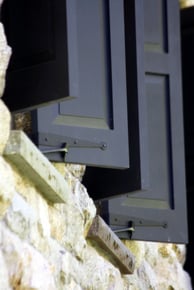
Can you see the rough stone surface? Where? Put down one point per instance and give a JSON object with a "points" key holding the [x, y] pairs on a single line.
{"points": [[58, 232], [5, 121], [44, 245], [75, 169], [6, 186], [159, 266], [5, 53], [22, 121], [186, 3]]}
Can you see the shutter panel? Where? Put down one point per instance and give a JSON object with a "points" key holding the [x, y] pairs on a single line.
{"points": [[153, 198], [94, 124], [39, 68]]}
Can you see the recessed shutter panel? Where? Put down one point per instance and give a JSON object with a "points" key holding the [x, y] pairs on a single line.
{"points": [[39, 68], [93, 125], [156, 208]]}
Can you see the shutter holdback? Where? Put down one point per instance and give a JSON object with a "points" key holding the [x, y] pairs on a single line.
{"points": [[132, 224], [76, 143]]}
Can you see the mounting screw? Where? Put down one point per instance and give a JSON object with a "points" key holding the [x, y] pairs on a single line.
{"points": [[104, 146]]}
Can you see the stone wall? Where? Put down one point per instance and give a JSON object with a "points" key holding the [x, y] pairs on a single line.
{"points": [[186, 3], [44, 244]]}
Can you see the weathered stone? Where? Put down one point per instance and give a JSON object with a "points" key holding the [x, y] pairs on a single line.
{"points": [[58, 232], [84, 204], [180, 251], [6, 186], [75, 169], [107, 240], [5, 53], [72, 229], [22, 121], [4, 278], [138, 250], [5, 120], [147, 276], [28, 159], [72, 286], [99, 274], [186, 3], [76, 218], [27, 269], [19, 217]]}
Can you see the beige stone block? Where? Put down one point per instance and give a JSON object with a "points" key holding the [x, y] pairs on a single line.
{"points": [[71, 222], [57, 224], [71, 227], [186, 3], [5, 121], [4, 278], [147, 276], [180, 251], [27, 268], [76, 170], [93, 273], [19, 217], [83, 204], [5, 53], [99, 273], [167, 267], [6, 186], [137, 249], [81, 199], [72, 286]]}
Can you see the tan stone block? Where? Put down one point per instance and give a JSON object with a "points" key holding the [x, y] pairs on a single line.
{"points": [[147, 276], [75, 169], [137, 249], [19, 217], [70, 228], [6, 186], [164, 251], [5, 53], [27, 268], [57, 223], [79, 215], [5, 121], [180, 251], [99, 274], [4, 278], [186, 3]]}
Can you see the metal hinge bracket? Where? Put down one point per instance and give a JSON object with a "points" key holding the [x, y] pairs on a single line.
{"points": [[75, 143], [135, 222]]}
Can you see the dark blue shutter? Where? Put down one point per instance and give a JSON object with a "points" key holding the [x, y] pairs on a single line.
{"points": [[153, 194], [38, 72], [79, 52], [125, 109]]}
